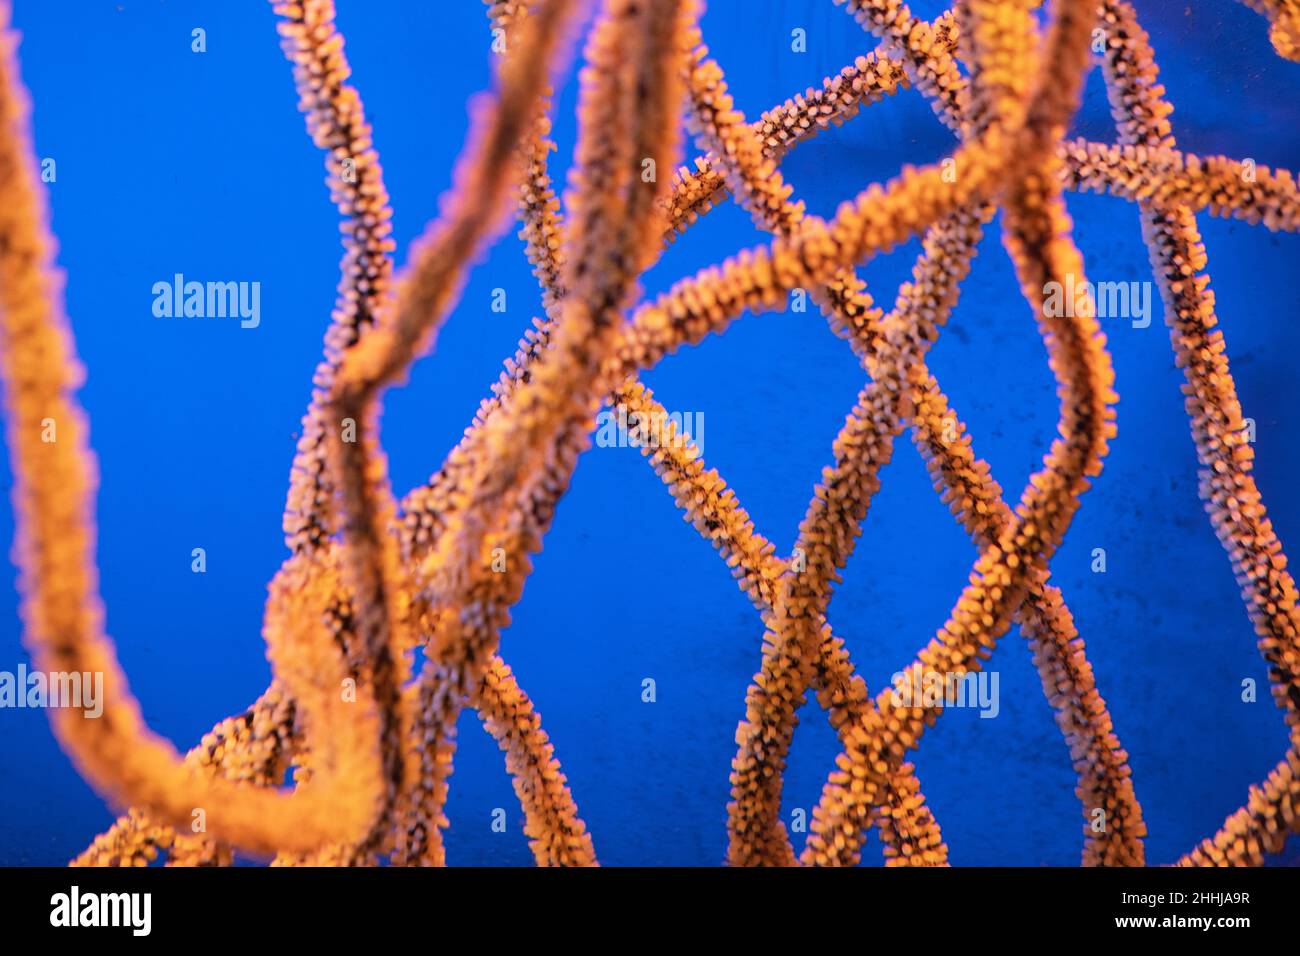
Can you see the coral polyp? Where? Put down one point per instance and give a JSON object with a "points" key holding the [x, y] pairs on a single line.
{"points": [[383, 624]]}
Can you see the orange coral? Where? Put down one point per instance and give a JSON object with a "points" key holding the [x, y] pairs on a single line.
{"points": [[368, 579], [1284, 24]]}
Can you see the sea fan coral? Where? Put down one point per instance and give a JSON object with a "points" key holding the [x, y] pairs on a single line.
{"points": [[370, 580]]}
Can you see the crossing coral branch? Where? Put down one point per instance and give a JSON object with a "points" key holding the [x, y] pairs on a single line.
{"points": [[370, 580]]}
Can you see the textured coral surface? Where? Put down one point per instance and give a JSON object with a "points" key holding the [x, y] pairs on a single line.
{"points": [[384, 623]]}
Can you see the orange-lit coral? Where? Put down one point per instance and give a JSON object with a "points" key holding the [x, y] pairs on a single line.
{"points": [[370, 579], [1284, 24]]}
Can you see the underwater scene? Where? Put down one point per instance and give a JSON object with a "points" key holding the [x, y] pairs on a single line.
{"points": [[649, 432]]}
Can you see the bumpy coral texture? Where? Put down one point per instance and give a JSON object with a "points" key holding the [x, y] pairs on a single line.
{"points": [[372, 580]]}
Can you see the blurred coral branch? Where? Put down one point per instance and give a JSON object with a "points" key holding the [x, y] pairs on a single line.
{"points": [[371, 581]]}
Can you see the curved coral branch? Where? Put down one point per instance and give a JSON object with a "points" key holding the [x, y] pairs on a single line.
{"points": [[1283, 24], [1227, 486], [254, 746], [337, 123], [53, 495]]}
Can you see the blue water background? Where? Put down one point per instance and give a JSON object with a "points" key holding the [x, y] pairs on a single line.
{"points": [[170, 161]]}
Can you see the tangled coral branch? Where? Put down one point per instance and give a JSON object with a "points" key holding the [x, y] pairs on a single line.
{"points": [[369, 579]]}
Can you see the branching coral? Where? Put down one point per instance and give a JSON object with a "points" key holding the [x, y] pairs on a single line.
{"points": [[369, 580]]}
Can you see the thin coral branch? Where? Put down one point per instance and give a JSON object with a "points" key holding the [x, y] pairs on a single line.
{"points": [[1163, 176], [555, 833], [337, 123], [1231, 496]]}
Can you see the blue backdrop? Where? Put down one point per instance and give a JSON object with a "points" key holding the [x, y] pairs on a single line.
{"points": [[173, 161]]}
